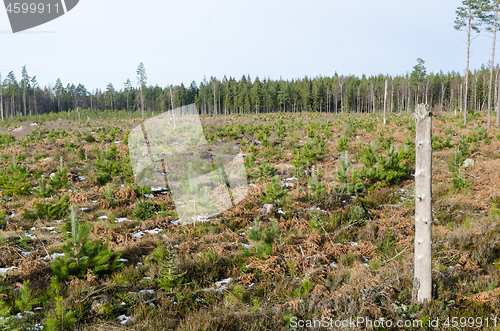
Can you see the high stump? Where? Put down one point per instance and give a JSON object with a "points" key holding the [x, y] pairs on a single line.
{"points": [[422, 279]]}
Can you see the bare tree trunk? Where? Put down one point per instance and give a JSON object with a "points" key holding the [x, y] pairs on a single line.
{"points": [[451, 98], [426, 89], [142, 103], [467, 70], [495, 100], [442, 96], [492, 65], [24, 101], [474, 89], [409, 97], [341, 98], [34, 102], [359, 102], [127, 98], [392, 96], [422, 279], [461, 96], [498, 104], [373, 99], [385, 99], [215, 100]]}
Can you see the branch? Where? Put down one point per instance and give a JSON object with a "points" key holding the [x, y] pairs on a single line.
{"points": [[395, 256], [91, 294]]}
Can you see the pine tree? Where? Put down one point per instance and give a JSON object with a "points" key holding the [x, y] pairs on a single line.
{"points": [[25, 302], [169, 278], [417, 76], [43, 191], [142, 81], [81, 254], [350, 184], [470, 16], [14, 180], [50, 210], [60, 179], [273, 191], [61, 318]]}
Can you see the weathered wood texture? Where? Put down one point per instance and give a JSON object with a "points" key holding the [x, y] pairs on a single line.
{"points": [[422, 280]]}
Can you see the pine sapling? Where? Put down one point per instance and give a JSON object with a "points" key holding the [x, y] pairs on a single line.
{"points": [[60, 179], [14, 180], [7, 322], [317, 189], [81, 254], [25, 302], [170, 278], [273, 192], [350, 184], [61, 318], [43, 191]]}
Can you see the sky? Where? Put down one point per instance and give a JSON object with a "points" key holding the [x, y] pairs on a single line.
{"points": [[102, 42]]}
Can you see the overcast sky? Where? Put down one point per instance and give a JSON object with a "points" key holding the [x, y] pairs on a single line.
{"points": [[101, 42]]}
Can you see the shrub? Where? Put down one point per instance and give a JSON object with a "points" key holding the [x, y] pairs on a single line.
{"points": [[458, 180], [350, 184], [7, 322], [60, 179], [14, 180], [266, 169], [306, 287], [342, 144], [61, 318], [50, 210], [2, 219], [438, 143], [313, 150], [317, 189], [250, 161], [264, 238], [25, 302], [273, 191], [89, 138], [392, 167], [169, 278], [43, 190], [108, 165], [145, 210]]}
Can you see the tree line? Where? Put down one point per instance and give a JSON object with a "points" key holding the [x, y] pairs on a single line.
{"points": [[338, 93]]}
